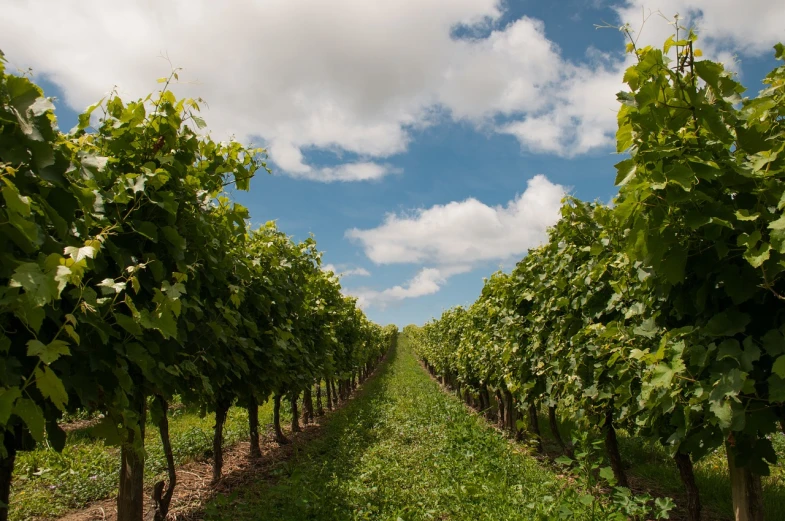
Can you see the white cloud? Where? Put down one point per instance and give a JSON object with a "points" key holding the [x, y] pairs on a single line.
{"points": [[357, 272], [504, 73], [365, 171], [298, 73], [579, 113], [426, 282], [290, 159], [579, 110], [456, 237], [343, 271], [467, 231], [751, 27], [339, 76]]}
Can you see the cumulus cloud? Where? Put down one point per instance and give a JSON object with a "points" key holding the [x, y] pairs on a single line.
{"points": [[344, 271], [456, 237], [426, 282], [338, 76], [749, 29], [580, 115], [466, 231], [296, 73], [365, 171], [578, 112]]}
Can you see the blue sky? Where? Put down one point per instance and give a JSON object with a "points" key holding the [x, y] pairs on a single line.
{"points": [[424, 143]]}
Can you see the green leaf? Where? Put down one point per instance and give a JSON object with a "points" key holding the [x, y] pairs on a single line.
{"points": [[709, 118], [166, 200], [93, 165], [680, 175], [727, 323], [774, 342], [41, 287], [662, 376], [631, 78], [696, 219], [15, 201], [174, 238], [163, 322], [709, 72], [48, 353], [606, 473], [763, 159], [62, 276], [110, 287], [139, 355], [729, 383], [107, 429], [51, 386], [724, 413], [84, 118], [31, 314], [147, 229], [757, 256], [586, 499], [746, 215], [778, 367], [564, 460], [625, 170], [779, 51], [635, 309], [674, 264], [136, 184], [729, 348], [31, 414], [776, 388], [7, 399], [85, 252], [129, 324], [627, 98], [647, 328], [750, 140], [669, 43], [29, 230], [779, 224]]}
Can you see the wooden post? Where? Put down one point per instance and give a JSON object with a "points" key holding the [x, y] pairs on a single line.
{"points": [[745, 489], [253, 427], [684, 464], [130, 496]]}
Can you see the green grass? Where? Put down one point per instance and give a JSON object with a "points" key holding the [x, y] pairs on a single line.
{"points": [[655, 470], [47, 484], [652, 463], [402, 450]]}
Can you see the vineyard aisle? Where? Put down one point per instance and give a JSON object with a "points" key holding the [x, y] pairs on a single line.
{"points": [[401, 450]]}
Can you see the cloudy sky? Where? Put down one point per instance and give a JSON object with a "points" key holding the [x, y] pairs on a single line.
{"points": [[425, 143]]}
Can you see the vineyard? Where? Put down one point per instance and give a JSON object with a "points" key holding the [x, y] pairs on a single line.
{"points": [[662, 314], [129, 279], [135, 293]]}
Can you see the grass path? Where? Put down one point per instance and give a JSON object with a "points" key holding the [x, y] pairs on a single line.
{"points": [[403, 450]]}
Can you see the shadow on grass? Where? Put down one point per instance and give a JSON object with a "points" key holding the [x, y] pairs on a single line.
{"points": [[300, 481], [650, 469]]}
